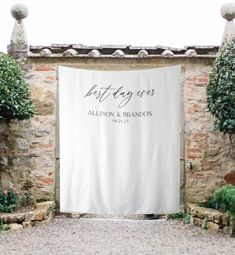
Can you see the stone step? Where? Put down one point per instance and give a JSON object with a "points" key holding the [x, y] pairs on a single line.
{"points": [[43, 213]]}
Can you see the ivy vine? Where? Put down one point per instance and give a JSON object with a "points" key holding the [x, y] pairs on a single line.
{"points": [[15, 100], [221, 89]]}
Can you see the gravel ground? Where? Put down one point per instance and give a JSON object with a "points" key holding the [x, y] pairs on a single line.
{"points": [[114, 236]]}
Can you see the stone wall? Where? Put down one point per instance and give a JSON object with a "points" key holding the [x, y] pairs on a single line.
{"points": [[27, 148], [209, 155], [29, 153]]}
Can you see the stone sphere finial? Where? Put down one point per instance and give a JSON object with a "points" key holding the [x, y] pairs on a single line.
{"points": [[19, 11], [228, 11]]}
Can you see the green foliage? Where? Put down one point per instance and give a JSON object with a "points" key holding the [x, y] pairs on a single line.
{"points": [[223, 198], [176, 216], [187, 218], [27, 199], [203, 204], [15, 101], [3, 226], [221, 89], [8, 200]]}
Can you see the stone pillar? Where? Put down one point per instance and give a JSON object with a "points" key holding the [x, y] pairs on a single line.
{"points": [[228, 12], [18, 47]]}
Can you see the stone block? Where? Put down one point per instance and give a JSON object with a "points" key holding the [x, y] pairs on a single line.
{"points": [[44, 108], [226, 230], [213, 226], [218, 218], [49, 214], [202, 212], [197, 222], [211, 216], [12, 217], [49, 217], [27, 224], [43, 210], [20, 217], [38, 216], [15, 226], [191, 206], [29, 216], [47, 205]]}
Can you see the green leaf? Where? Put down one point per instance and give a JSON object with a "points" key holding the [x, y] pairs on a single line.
{"points": [[15, 98], [221, 89]]}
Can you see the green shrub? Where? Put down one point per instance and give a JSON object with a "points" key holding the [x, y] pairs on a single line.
{"points": [[3, 226], [223, 198], [27, 199], [8, 200], [221, 89], [15, 101]]}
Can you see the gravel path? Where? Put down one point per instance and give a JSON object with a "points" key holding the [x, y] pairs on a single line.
{"points": [[119, 236]]}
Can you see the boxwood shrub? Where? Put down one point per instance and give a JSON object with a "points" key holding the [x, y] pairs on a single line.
{"points": [[15, 100], [223, 198], [221, 89]]}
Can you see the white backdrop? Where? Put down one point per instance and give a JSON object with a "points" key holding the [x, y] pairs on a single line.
{"points": [[119, 140]]}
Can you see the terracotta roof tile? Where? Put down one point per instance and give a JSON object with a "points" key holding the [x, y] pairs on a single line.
{"points": [[126, 51]]}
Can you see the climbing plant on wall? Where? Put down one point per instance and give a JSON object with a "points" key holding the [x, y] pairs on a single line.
{"points": [[15, 100], [221, 89]]}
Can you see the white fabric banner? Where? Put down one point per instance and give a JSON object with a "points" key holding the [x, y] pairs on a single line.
{"points": [[119, 140]]}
